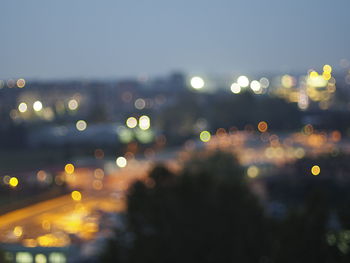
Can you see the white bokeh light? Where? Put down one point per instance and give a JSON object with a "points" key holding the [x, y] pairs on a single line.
{"points": [[197, 82], [235, 88], [243, 81]]}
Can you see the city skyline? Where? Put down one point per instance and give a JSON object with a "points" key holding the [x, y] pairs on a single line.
{"points": [[86, 39]]}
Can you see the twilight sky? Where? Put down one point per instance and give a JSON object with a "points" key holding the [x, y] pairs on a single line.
{"points": [[114, 38]]}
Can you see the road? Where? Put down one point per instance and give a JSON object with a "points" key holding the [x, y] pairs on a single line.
{"points": [[62, 221]]}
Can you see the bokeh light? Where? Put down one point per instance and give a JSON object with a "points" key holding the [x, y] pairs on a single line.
{"points": [[313, 74], [11, 83], [21, 83], [262, 126], [140, 104], [144, 122], [327, 68], [125, 135], [131, 122], [81, 125], [40, 258], [73, 104], [205, 136], [197, 82], [13, 182], [255, 86], [22, 107], [76, 195], [97, 185], [37, 105], [69, 168], [287, 81], [315, 170], [18, 231], [121, 161], [264, 82], [235, 88], [243, 81], [252, 171], [144, 136], [326, 75]]}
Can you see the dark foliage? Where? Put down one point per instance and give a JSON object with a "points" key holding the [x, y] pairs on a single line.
{"points": [[208, 213]]}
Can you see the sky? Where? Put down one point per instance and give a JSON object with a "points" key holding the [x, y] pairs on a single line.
{"points": [[47, 39]]}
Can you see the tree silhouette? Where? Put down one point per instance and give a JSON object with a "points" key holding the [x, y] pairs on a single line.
{"points": [[205, 214], [302, 236]]}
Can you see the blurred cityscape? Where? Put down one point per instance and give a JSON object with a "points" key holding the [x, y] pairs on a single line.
{"points": [[192, 131], [70, 150]]}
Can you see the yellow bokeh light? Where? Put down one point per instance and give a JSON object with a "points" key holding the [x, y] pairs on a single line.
{"points": [[69, 168], [13, 182], [197, 82], [262, 126], [315, 170], [252, 171], [22, 107], [243, 81], [287, 81], [21, 83], [44, 241], [121, 161], [313, 74], [18, 231], [131, 122], [73, 104], [76, 195], [205, 136], [327, 75], [327, 68], [81, 125]]}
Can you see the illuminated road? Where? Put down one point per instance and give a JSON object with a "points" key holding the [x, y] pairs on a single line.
{"points": [[63, 221], [60, 217]]}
